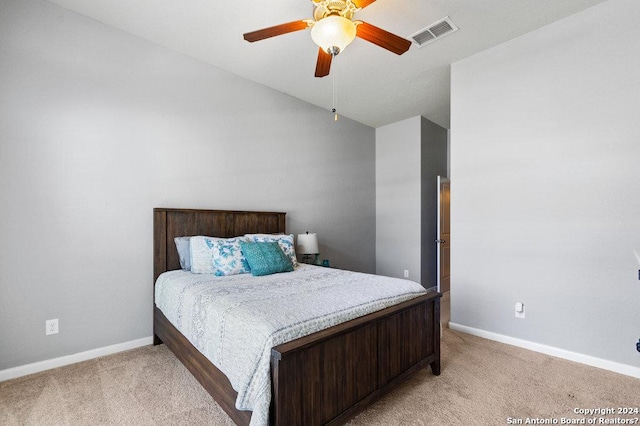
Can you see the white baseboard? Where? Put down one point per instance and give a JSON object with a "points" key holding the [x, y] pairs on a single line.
{"points": [[627, 370], [36, 367]]}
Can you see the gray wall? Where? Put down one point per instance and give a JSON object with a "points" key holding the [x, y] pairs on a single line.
{"points": [[545, 203], [398, 174], [410, 154], [97, 127]]}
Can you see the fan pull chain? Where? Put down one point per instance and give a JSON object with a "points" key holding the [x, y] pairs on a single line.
{"points": [[335, 96]]}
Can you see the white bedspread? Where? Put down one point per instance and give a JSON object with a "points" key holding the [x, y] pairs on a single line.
{"points": [[236, 320]]}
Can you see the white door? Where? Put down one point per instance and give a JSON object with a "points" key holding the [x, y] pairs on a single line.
{"points": [[444, 235]]}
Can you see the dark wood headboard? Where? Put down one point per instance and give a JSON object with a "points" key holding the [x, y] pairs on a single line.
{"points": [[171, 223]]}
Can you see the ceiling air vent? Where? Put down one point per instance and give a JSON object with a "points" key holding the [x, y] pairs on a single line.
{"points": [[434, 31]]}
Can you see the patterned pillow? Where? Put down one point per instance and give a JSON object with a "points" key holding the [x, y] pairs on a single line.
{"points": [[266, 258], [219, 256], [285, 242]]}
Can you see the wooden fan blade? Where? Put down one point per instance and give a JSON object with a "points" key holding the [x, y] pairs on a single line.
{"points": [[323, 66], [362, 3], [382, 38], [276, 31]]}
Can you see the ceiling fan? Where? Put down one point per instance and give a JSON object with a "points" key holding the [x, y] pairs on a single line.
{"points": [[332, 29]]}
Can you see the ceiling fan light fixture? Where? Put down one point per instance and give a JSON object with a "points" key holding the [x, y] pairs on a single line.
{"points": [[333, 33]]}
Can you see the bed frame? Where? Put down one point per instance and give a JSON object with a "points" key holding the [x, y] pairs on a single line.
{"points": [[324, 378]]}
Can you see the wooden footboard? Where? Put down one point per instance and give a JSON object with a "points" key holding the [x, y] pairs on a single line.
{"points": [[330, 376]]}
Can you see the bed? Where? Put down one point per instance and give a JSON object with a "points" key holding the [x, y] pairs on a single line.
{"points": [[325, 377]]}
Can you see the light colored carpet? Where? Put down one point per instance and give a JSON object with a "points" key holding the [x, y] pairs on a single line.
{"points": [[482, 383]]}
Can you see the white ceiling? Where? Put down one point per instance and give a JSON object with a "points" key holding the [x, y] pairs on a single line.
{"points": [[374, 86]]}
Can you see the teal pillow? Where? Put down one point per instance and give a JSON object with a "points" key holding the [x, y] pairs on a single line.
{"points": [[266, 258]]}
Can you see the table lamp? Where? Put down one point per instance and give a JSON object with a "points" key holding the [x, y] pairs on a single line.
{"points": [[308, 247]]}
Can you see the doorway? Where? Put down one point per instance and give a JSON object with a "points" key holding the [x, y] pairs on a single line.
{"points": [[444, 235]]}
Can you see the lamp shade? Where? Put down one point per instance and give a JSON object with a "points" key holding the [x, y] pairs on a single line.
{"points": [[333, 31], [308, 244]]}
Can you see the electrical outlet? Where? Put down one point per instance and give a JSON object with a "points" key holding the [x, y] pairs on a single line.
{"points": [[520, 310], [406, 273], [51, 326]]}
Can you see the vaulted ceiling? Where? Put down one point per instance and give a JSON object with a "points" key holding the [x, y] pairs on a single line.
{"points": [[374, 86]]}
